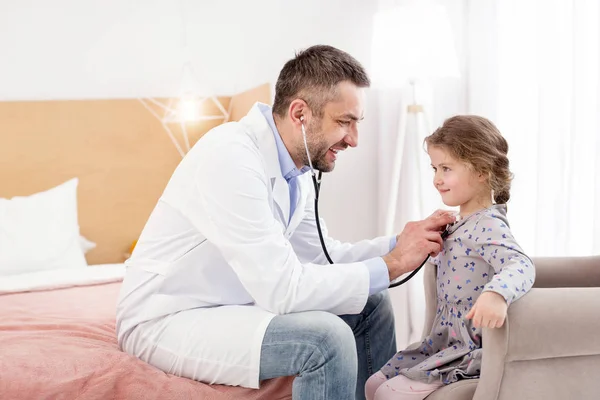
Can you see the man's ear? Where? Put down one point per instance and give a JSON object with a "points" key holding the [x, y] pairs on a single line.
{"points": [[299, 109]]}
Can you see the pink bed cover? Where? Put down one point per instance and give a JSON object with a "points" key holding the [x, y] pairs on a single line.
{"points": [[61, 344]]}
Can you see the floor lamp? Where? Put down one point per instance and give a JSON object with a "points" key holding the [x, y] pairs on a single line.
{"points": [[415, 112], [411, 43]]}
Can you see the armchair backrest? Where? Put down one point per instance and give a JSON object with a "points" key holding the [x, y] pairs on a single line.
{"points": [[554, 272], [429, 281]]}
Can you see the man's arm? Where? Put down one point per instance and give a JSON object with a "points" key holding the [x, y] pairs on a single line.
{"points": [[306, 239], [232, 210], [308, 245]]}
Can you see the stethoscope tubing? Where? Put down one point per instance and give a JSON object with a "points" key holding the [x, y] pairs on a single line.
{"points": [[317, 185]]}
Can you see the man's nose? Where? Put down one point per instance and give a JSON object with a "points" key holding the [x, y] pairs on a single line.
{"points": [[352, 138]]}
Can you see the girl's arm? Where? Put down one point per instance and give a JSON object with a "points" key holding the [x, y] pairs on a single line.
{"points": [[514, 270]]}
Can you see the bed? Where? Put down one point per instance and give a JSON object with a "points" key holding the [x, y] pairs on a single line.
{"points": [[57, 320], [58, 342]]}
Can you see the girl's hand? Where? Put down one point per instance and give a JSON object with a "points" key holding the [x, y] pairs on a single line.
{"points": [[489, 311]]}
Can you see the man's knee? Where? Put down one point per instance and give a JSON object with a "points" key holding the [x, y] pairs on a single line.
{"points": [[314, 340], [331, 336]]}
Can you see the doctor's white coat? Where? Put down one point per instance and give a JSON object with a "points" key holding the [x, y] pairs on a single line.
{"points": [[218, 251]]}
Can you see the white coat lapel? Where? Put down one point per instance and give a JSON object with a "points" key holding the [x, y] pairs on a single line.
{"points": [[261, 131], [281, 196]]}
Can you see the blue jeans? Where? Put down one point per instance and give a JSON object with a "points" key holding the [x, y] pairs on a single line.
{"points": [[331, 356]]}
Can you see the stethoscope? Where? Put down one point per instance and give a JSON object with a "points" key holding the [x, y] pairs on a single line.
{"points": [[317, 184]]}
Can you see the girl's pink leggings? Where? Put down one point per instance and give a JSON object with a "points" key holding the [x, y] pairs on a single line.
{"points": [[397, 388]]}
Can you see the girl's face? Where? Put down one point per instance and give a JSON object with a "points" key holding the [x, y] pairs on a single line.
{"points": [[457, 183]]}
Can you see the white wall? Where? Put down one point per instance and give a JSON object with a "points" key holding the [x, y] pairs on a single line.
{"points": [[125, 48], [79, 49]]}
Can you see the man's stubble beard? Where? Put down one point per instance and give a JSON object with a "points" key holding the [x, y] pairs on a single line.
{"points": [[317, 148]]}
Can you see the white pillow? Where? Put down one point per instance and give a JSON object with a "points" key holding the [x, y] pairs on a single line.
{"points": [[41, 232]]}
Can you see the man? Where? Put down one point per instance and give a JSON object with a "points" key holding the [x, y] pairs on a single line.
{"points": [[228, 282]]}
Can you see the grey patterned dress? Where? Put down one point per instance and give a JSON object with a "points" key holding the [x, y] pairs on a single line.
{"points": [[479, 255]]}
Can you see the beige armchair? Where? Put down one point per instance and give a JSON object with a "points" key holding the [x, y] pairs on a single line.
{"points": [[549, 346]]}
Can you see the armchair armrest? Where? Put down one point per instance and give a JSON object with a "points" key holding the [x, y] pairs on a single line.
{"points": [[549, 323], [567, 272], [546, 324]]}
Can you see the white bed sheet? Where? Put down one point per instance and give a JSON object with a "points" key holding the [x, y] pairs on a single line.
{"points": [[62, 278]]}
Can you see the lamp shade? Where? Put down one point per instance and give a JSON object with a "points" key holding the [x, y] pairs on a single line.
{"points": [[412, 42]]}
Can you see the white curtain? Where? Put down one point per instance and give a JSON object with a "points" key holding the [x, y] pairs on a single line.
{"points": [[390, 105], [534, 70], [416, 196], [532, 67]]}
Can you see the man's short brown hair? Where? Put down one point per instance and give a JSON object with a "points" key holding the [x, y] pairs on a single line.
{"points": [[313, 75]]}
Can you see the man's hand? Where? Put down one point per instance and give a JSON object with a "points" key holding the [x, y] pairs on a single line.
{"points": [[418, 240], [489, 311]]}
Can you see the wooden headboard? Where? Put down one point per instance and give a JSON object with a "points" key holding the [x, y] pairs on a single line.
{"points": [[118, 150]]}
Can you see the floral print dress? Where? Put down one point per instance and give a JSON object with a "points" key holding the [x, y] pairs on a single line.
{"points": [[480, 255]]}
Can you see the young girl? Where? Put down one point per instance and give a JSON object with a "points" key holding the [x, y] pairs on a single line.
{"points": [[480, 271]]}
